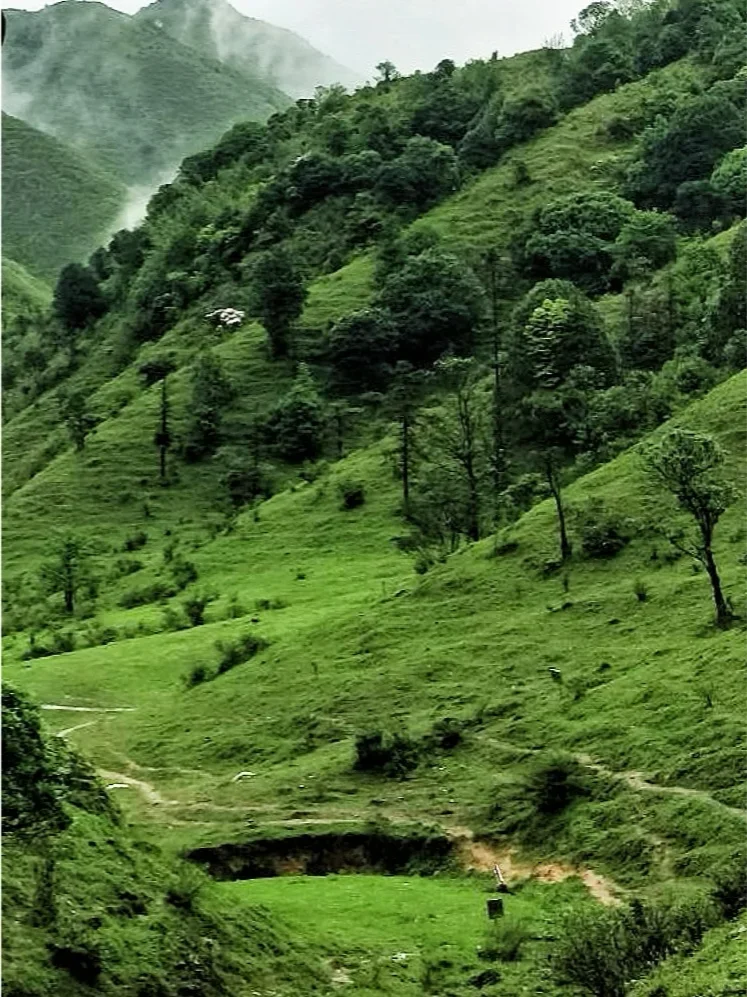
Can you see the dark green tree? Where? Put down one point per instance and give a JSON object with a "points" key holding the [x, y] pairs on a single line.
{"points": [[295, 426], [361, 348], [573, 236], [690, 466], [78, 299], [437, 303], [560, 333], [67, 569], [210, 395], [686, 148], [543, 426], [425, 172], [279, 296], [77, 417]]}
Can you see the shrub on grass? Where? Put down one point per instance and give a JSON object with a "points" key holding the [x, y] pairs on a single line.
{"points": [[392, 755], [554, 783], [504, 940], [602, 950], [194, 609], [183, 572], [352, 494], [243, 649], [603, 534], [730, 891], [640, 590], [149, 593], [136, 542], [199, 674]]}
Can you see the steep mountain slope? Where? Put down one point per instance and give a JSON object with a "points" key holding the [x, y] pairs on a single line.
{"points": [[22, 293], [58, 205], [136, 100], [253, 47]]}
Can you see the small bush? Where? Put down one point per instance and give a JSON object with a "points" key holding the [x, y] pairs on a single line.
{"points": [[504, 940], [183, 572], [239, 651], [730, 891], [135, 542], [446, 734], [185, 891], [640, 590], [352, 494], [393, 755], [124, 566], [601, 950], [554, 783], [602, 534], [198, 675], [148, 594], [194, 609]]}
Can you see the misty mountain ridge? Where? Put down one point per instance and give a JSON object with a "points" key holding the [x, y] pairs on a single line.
{"points": [[136, 100], [249, 45]]}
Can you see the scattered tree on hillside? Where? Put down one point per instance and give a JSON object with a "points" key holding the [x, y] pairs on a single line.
{"points": [[78, 299], [211, 393], [690, 466], [406, 391], [295, 426], [67, 569], [454, 446], [162, 437], [77, 417], [545, 430], [437, 304], [387, 73], [554, 334], [495, 269], [361, 347], [279, 296]]}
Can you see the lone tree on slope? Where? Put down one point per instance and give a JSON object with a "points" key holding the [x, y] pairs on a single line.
{"points": [[690, 466]]}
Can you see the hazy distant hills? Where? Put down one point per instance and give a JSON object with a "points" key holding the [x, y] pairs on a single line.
{"points": [[57, 204], [252, 47], [122, 90]]}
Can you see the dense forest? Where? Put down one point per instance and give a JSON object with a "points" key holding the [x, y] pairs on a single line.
{"points": [[387, 481]]}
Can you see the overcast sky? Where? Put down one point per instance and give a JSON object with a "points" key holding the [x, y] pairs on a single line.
{"points": [[413, 34]]}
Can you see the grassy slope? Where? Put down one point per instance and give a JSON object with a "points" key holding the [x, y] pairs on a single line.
{"points": [[362, 644], [57, 205], [139, 101], [22, 293], [110, 896]]}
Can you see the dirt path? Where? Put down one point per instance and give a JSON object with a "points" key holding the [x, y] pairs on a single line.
{"points": [[636, 780], [483, 857], [118, 780], [88, 709]]}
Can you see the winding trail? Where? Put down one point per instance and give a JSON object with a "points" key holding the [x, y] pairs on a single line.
{"points": [[636, 780]]}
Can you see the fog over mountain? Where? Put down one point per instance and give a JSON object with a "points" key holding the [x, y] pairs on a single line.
{"points": [[414, 34]]}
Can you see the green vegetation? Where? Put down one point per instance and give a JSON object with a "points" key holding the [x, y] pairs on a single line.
{"points": [[58, 204], [425, 552]]}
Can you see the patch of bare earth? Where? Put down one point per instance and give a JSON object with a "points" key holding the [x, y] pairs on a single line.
{"points": [[484, 857]]}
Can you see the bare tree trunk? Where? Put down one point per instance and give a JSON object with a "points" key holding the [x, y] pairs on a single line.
{"points": [[723, 613], [552, 481]]}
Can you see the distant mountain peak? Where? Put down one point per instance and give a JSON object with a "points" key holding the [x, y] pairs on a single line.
{"points": [[254, 47]]}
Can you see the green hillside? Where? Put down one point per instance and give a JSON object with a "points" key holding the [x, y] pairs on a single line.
{"points": [[22, 293], [57, 204], [252, 47], [137, 101], [332, 537]]}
